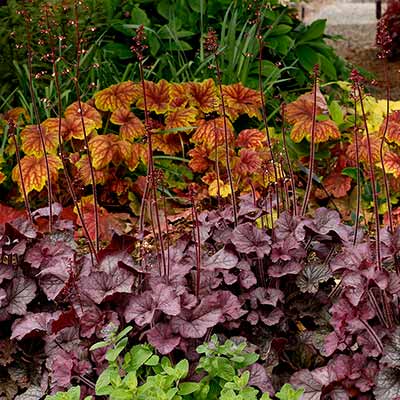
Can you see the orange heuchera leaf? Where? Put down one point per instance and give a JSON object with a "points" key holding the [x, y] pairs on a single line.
{"points": [[2, 177], [88, 112], [107, 148], [34, 171], [70, 127], [157, 97], [224, 189], [108, 222], [247, 163], [300, 113], [212, 132], [167, 143], [181, 118], [84, 172], [178, 96], [391, 161], [199, 159], [241, 100], [324, 130], [131, 126], [8, 214], [17, 114], [138, 152], [31, 142], [121, 95], [393, 128], [337, 184], [203, 95], [302, 108], [363, 149], [250, 138]]}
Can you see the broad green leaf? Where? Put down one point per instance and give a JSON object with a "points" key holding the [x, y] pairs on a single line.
{"points": [[336, 112], [121, 394], [112, 354], [139, 16], [279, 30], [307, 56], [130, 380], [287, 392], [186, 388], [351, 172], [182, 368], [103, 387], [139, 355], [314, 31]]}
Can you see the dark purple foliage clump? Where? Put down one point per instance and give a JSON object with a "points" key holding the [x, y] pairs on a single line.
{"points": [[317, 308]]}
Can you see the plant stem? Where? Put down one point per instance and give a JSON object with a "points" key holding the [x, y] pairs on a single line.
{"points": [[312, 149]]}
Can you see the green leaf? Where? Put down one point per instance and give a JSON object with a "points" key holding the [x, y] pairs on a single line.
{"points": [[73, 393], [182, 368], [123, 333], [139, 355], [153, 360], [112, 354], [139, 16], [322, 117], [223, 368], [98, 345], [186, 388], [336, 112], [314, 31], [103, 387], [307, 56], [287, 392], [119, 50], [281, 44], [351, 172], [121, 394], [279, 30], [130, 380]]}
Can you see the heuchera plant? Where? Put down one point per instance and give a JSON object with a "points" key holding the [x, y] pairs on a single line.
{"points": [[310, 301]]}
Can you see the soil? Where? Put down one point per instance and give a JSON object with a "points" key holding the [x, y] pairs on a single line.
{"points": [[364, 56]]}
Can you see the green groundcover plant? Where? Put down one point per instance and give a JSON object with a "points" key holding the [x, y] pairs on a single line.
{"points": [[222, 373]]}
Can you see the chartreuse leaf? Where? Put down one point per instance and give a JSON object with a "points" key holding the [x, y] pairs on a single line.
{"points": [[99, 345], [186, 388], [73, 394], [137, 357], [336, 112], [113, 354], [287, 392]]}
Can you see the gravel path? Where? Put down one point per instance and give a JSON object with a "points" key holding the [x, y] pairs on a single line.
{"points": [[356, 22]]}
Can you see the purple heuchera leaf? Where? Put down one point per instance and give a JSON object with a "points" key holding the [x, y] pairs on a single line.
{"points": [[391, 355], [61, 369], [284, 268], [311, 382], [247, 279], [100, 285], [227, 302], [54, 279], [30, 323], [326, 221], [141, 308], [110, 259], [20, 292], [287, 249], [46, 253], [273, 318], [247, 239], [222, 259], [286, 225], [267, 296], [194, 324], [388, 384], [163, 339], [260, 379]]}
